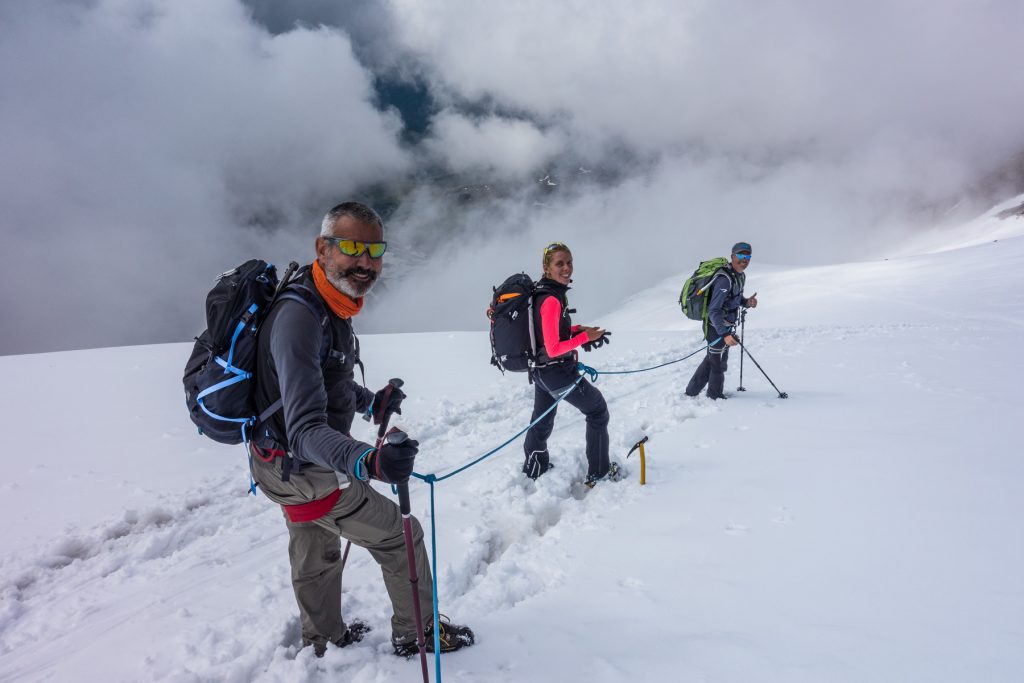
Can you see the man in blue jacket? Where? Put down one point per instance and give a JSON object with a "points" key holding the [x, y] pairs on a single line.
{"points": [[726, 297]]}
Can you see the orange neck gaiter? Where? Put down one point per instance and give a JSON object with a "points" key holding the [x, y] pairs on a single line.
{"points": [[342, 305]]}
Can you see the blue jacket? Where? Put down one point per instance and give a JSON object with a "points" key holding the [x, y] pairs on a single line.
{"points": [[726, 299]]}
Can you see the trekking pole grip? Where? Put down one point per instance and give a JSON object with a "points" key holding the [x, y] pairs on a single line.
{"points": [[403, 498]]}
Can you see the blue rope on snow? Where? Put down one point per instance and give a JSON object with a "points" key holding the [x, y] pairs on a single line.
{"points": [[429, 478], [594, 373], [432, 478]]}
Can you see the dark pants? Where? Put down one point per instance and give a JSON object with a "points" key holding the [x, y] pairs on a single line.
{"points": [[711, 371], [549, 384]]}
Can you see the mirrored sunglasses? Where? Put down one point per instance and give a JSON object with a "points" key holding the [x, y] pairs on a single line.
{"points": [[355, 248]]}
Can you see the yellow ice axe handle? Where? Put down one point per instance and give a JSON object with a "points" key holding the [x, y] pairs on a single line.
{"points": [[643, 459]]}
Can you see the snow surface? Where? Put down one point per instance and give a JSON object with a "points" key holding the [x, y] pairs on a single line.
{"points": [[867, 529]]}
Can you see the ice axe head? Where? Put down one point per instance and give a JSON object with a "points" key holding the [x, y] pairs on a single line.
{"points": [[637, 445]]}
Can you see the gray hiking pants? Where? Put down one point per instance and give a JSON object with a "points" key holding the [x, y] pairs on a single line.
{"points": [[371, 521]]}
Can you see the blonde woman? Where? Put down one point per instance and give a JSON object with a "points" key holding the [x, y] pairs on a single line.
{"points": [[555, 372]]}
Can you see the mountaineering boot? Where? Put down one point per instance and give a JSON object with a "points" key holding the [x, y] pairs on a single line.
{"points": [[453, 637], [722, 396], [614, 473], [536, 464], [353, 634]]}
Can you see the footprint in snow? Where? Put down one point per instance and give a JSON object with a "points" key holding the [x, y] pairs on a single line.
{"points": [[737, 529], [783, 517], [632, 583]]}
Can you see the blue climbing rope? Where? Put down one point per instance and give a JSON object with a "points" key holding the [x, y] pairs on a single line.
{"points": [[593, 374], [432, 479]]}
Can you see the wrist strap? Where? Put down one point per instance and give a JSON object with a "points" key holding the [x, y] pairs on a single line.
{"points": [[359, 465]]}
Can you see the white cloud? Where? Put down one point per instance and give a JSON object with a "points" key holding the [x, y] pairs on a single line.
{"points": [[732, 75], [491, 144], [150, 144], [140, 139], [816, 130]]}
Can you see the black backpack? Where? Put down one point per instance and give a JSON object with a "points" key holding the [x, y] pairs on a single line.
{"points": [[218, 390], [513, 345]]}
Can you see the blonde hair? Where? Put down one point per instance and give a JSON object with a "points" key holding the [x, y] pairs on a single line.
{"points": [[549, 253]]}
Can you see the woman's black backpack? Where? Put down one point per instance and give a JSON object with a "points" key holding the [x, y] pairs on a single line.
{"points": [[513, 345]]}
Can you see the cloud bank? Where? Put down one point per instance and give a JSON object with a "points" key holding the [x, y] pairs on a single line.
{"points": [[150, 144]]}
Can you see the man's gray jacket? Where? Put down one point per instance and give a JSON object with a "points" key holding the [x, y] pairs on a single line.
{"points": [[318, 391]]}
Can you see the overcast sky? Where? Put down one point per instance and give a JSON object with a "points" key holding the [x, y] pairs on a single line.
{"points": [[149, 145]]}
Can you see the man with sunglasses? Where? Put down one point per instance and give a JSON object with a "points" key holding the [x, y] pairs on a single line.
{"points": [[303, 456], [725, 299]]}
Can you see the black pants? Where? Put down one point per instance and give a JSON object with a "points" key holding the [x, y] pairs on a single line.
{"points": [[549, 384], [711, 371]]}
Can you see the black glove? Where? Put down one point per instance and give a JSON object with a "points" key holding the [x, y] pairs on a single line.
{"points": [[598, 343], [387, 400], [393, 463]]}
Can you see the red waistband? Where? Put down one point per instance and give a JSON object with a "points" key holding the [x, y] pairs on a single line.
{"points": [[303, 512], [313, 510], [266, 454]]}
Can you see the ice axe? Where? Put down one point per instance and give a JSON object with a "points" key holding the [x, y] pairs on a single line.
{"points": [[643, 459]]}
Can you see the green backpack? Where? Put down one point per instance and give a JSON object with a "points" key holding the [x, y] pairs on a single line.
{"points": [[694, 297]]}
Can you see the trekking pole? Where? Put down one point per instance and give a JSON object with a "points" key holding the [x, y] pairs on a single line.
{"points": [[283, 282], [392, 385], [782, 394], [743, 333], [396, 437], [405, 506]]}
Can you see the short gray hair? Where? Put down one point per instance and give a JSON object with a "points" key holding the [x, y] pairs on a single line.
{"points": [[355, 210]]}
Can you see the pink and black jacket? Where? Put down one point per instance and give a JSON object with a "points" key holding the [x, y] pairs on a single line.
{"points": [[556, 337]]}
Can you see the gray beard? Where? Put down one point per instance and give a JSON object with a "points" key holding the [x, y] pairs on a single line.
{"points": [[342, 284]]}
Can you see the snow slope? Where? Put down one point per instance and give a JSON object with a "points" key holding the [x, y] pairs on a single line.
{"points": [[867, 529]]}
